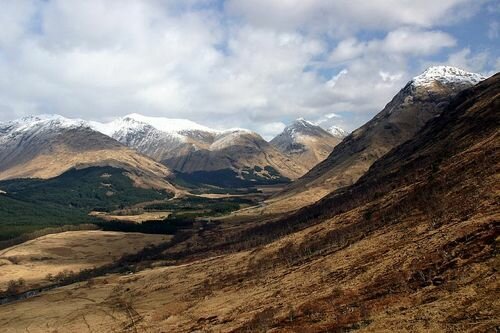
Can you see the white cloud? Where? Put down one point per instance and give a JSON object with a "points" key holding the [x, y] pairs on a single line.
{"points": [[98, 59], [478, 62], [14, 17], [403, 41], [388, 77], [340, 17], [378, 68], [269, 130], [333, 81], [327, 118]]}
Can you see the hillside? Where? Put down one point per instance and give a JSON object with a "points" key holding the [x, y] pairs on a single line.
{"points": [[47, 146], [33, 204], [306, 143], [422, 99], [410, 247], [230, 158]]}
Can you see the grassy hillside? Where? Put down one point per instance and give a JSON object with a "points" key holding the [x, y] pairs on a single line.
{"points": [[19, 217], [95, 188], [33, 204], [228, 178]]}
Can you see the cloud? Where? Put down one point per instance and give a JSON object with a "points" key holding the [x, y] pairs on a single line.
{"points": [[326, 119], [342, 17], [379, 67], [333, 81], [252, 64], [403, 41], [14, 16], [478, 62], [493, 30], [269, 130]]}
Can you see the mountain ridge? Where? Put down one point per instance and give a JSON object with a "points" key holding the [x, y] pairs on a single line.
{"points": [[305, 142], [47, 146], [407, 112]]}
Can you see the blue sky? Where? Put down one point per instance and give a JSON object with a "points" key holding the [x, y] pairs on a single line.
{"points": [[255, 64]]}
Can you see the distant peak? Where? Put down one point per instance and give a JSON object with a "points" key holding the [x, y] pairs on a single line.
{"points": [[337, 132], [51, 118], [41, 117], [446, 74], [302, 122], [169, 125], [48, 122]]}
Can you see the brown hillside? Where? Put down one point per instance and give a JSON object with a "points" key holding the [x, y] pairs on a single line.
{"points": [[411, 247], [398, 122]]}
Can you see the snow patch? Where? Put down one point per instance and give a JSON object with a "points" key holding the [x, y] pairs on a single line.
{"points": [[170, 125], [32, 124], [337, 132], [446, 74]]}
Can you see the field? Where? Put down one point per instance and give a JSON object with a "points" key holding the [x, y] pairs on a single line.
{"points": [[68, 251], [136, 218], [32, 204]]}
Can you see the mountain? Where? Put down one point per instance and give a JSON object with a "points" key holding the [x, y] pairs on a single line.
{"points": [[306, 143], [422, 99], [137, 132], [235, 157], [337, 132], [47, 146], [410, 247]]}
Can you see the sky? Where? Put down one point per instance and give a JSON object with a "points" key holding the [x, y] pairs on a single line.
{"points": [[256, 64]]}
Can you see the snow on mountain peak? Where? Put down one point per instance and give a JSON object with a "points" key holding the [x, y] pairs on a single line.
{"points": [[169, 125], [46, 121], [117, 125], [446, 74], [337, 132], [301, 122]]}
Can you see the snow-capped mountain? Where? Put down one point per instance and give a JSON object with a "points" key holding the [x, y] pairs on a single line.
{"points": [[182, 145], [421, 99], [134, 122], [188, 148], [337, 132], [446, 75], [33, 124], [158, 136], [141, 136], [45, 146], [305, 142]]}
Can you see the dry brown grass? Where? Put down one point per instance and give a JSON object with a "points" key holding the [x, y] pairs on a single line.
{"points": [[68, 251], [136, 218]]}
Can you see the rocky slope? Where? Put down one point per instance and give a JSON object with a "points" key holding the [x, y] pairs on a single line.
{"points": [[306, 143], [47, 146], [202, 154], [422, 99], [410, 247]]}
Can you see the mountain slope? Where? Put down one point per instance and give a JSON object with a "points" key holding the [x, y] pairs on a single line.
{"points": [[306, 143], [422, 99], [337, 132], [200, 153], [411, 247], [32, 204], [47, 146]]}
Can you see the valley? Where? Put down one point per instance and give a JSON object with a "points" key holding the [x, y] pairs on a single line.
{"points": [[235, 166], [393, 227]]}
